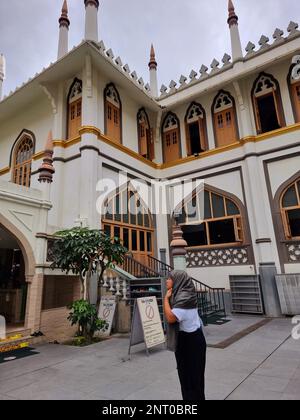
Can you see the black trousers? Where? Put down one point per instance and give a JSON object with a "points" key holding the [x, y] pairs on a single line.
{"points": [[191, 361]]}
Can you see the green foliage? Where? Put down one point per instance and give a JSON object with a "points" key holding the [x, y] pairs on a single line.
{"points": [[85, 316], [82, 250]]}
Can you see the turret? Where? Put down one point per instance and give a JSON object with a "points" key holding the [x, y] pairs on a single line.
{"points": [[64, 24], [236, 46], [91, 20], [153, 73]]}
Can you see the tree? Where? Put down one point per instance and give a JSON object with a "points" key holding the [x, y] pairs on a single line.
{"points": [[85, 316], [86, 252]]}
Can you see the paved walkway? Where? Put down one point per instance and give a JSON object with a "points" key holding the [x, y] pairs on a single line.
{"points": [[263, 365]]}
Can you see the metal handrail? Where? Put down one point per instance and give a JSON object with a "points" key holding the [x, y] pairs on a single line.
{"points": [[210, 300]]}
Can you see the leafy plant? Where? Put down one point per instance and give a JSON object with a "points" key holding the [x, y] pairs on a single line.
{"points": [[85, 316], [85, 252]]}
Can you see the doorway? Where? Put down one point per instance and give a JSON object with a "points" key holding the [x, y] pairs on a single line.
{"points": [[13, 285], [267, 113]]}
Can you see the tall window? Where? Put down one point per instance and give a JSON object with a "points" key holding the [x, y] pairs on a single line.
{"points": [[113, 122], [195, 121], [290, 210], [22, 161], [224, 119], [74, 109], [145, 135], [267, 104], [294, 86], [127, 218], [171, 138], [221, 225]]}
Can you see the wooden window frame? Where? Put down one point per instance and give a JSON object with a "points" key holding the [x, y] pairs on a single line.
{"points": [[118, 140], [130, 226], [292, 84], [169, 130], [148, 134], [215, 113], [23, 168], [277, 101], [238, 222], [284, 211], [71, 102]]}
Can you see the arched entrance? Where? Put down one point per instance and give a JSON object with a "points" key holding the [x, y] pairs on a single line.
{"points": [[126, 217], [17, 267], [13, 286]]}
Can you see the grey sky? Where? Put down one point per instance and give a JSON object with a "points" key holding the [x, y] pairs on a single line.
{"points": [[185, 33]]}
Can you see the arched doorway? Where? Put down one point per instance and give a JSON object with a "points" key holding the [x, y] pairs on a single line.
{"points": [[127, 217], [13, 285]]}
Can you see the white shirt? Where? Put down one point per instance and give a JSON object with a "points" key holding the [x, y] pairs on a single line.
{"points": [[189, 320]]}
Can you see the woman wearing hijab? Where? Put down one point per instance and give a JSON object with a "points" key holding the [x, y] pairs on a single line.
{"points": [[185, 335]]}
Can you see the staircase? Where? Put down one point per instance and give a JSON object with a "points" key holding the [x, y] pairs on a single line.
{"points": [[15, 342], [211, 304], [18, 340]]}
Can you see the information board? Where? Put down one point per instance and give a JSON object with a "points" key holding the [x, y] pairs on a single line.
{"points": [[106, 313], [146, 324]]}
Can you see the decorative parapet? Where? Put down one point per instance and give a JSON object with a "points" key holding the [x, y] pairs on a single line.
{"points": [[264, 45], [293, 250], [218, 257]]}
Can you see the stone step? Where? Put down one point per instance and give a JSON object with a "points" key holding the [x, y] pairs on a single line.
{"points": [[23, 332], [15, 343]]}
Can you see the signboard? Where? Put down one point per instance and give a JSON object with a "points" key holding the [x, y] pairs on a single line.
{"points": [[106, 313], [146, 324]]}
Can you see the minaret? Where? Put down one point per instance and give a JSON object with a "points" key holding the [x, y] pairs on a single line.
{"points": [[91, 20], [2, 73], [64, 24], [153, 73], [236, 46], [46, 170]]}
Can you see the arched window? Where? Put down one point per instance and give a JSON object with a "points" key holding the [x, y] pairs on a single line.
{"points": [[22, 156], [127, 217], [195, 122], [290, 210], [267, 104], [145, 138], [171, 138], [218, 222], [74, 109], [224, 117], [113, 114], [294, 86]]}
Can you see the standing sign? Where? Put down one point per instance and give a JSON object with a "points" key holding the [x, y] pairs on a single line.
{"points": [[146, 324], [106, 313]]}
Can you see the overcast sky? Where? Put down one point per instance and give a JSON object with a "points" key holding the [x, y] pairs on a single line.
{"points": [[185, 33]]}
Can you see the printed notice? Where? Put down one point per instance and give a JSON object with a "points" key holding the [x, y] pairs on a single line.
{"points": [[151, 322], [107, 312]]}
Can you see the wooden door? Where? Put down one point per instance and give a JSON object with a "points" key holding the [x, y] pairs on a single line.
{"points": [[171, 145], [296, 100], [75, 110], [143, 141], [113, 130], [225, 128]]}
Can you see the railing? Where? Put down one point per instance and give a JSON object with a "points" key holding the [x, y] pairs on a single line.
{"points": [[116, 284], [210, 300], [137, 269]]}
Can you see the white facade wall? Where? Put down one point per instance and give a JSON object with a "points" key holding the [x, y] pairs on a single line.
{"points": [[73, 192]]}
